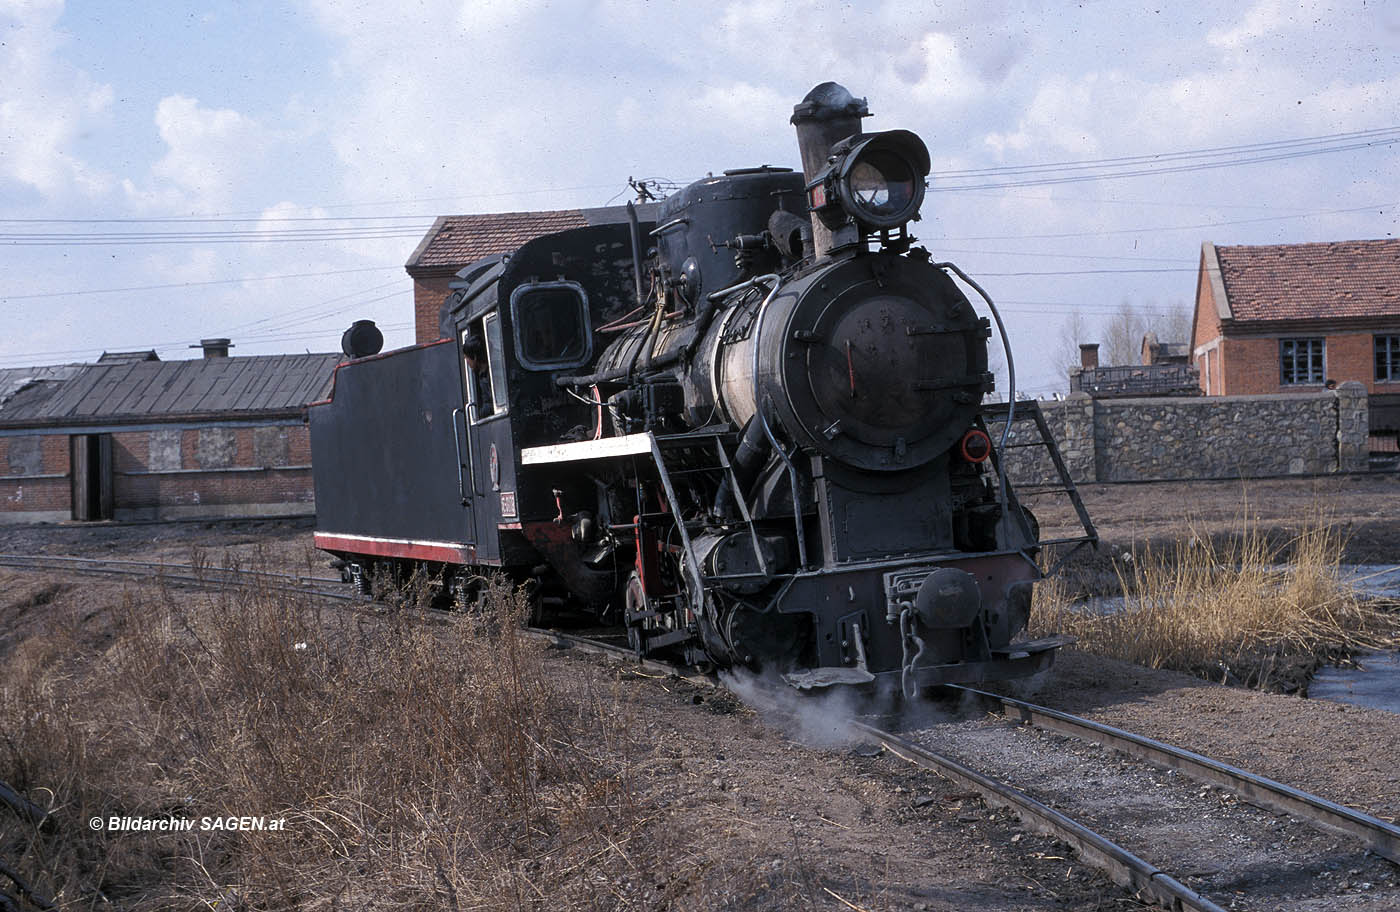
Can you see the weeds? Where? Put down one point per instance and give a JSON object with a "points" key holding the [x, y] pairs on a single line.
{"points": [[415, 765], [1240, 608]]}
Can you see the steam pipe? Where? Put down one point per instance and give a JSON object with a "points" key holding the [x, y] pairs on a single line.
{"points": [[636, 230]]}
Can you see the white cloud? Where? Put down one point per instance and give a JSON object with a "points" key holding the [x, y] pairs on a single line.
{"points": [[212, 156], [1268, 17], [45, 104]]}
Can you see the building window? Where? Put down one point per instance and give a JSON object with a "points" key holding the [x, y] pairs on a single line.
{"points": [[1388, 357], [1300, 361]]}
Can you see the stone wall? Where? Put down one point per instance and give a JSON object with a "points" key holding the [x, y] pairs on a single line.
{"points": [[1210, 437]]}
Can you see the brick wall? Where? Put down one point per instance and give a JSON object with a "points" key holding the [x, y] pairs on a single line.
{"points": [[1205, 337], [1214, 437], [428, 294], [167, 473], [214, 471], [33, 478], [1251, 363]]}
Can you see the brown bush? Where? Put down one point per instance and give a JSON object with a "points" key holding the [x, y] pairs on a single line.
{"points": [[416, 765], [1241, 607]]}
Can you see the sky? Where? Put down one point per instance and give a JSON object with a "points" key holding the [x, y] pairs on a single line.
{"points": [[262, 171]]}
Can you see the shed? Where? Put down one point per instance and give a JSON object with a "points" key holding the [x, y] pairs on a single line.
{"points": [[134, 438]]}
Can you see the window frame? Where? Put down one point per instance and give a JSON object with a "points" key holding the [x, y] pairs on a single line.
{"points": [[585, 325], [489, 326], [1284, 358], [1392, 356]]}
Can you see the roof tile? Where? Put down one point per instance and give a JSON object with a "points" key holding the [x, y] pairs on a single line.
{"points": [[1323, 281], [462, 239]]}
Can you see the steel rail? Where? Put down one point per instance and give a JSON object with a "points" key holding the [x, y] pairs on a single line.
{"points": [[1122, 866], [1379, 836], [598, 647], [6, 559], [205, 577]]}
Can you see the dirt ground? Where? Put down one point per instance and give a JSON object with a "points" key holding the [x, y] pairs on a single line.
{"points": [[1365, 507], [754, 811]]}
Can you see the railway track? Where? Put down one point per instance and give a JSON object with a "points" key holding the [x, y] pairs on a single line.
{"points": [[1077, 780], [1339, 837], [1181, 829], [205, 576]]}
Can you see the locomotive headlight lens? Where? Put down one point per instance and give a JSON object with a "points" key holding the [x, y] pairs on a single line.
{"points": [[880, 181], [868, 186]]}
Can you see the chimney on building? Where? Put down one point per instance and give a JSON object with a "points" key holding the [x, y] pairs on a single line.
{"points": [[214, 348], [1089, 355]]}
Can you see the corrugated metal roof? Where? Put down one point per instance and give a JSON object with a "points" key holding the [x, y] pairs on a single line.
{"points": [[1340, 279], [138, 390], [456, 240], [116, 357], [23, 390]]}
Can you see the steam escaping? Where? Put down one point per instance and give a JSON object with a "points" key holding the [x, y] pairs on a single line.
{"points": [[821, 718]]}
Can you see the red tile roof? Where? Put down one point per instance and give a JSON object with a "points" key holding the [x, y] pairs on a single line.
{"points": [[456, 240], [1341, 279]]}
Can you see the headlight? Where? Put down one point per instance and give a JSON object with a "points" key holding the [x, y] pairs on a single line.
{"points": [[878, 180]]}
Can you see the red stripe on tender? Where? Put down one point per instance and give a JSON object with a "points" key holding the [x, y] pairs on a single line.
{"points": [[451, 553]]}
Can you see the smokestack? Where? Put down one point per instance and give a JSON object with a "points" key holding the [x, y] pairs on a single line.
{"points": [[826, 116], [214, 348], [1089, 355]]}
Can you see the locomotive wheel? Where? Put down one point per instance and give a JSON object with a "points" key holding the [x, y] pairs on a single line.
{"points": [[534, 603], [634, 600]]}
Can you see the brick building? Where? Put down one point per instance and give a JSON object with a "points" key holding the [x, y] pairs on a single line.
{"points": [[456, 241], [131, 437], [1290, 317]]}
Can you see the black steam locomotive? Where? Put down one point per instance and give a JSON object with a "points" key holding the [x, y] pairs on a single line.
{"points": [[748, 427]]}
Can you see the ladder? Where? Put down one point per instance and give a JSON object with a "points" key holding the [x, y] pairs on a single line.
{"points": [[701, 451], [1029, 431]]}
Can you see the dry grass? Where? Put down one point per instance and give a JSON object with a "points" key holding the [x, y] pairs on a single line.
{"points": [[416, 765], [1241, 608]]}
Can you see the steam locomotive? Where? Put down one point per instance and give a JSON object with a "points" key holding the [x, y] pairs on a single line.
{"points": [[745, 424]]}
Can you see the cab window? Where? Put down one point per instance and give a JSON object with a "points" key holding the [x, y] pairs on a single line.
{"points": [[483, 357], [552, 329]]}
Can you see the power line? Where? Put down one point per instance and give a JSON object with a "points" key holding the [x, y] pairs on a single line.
{"points": [[1329, 140], [304, 308], [239, 281], [1375, 207], [1163, 163], [28, 358]]}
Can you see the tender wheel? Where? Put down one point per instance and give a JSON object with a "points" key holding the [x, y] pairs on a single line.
{"points": [[358, 578]]}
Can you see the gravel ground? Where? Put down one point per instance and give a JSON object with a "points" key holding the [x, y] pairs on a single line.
{"points": [[1235, 854]]}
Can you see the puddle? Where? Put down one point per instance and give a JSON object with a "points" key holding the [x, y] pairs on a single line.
{"points": [[1376, 684], [1374, 579]]}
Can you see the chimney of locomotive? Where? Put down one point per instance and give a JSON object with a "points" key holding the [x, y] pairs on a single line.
{"points": [[826, 116]]}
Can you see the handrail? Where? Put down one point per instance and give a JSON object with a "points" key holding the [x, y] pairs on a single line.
{"points": [[457, 442]]}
